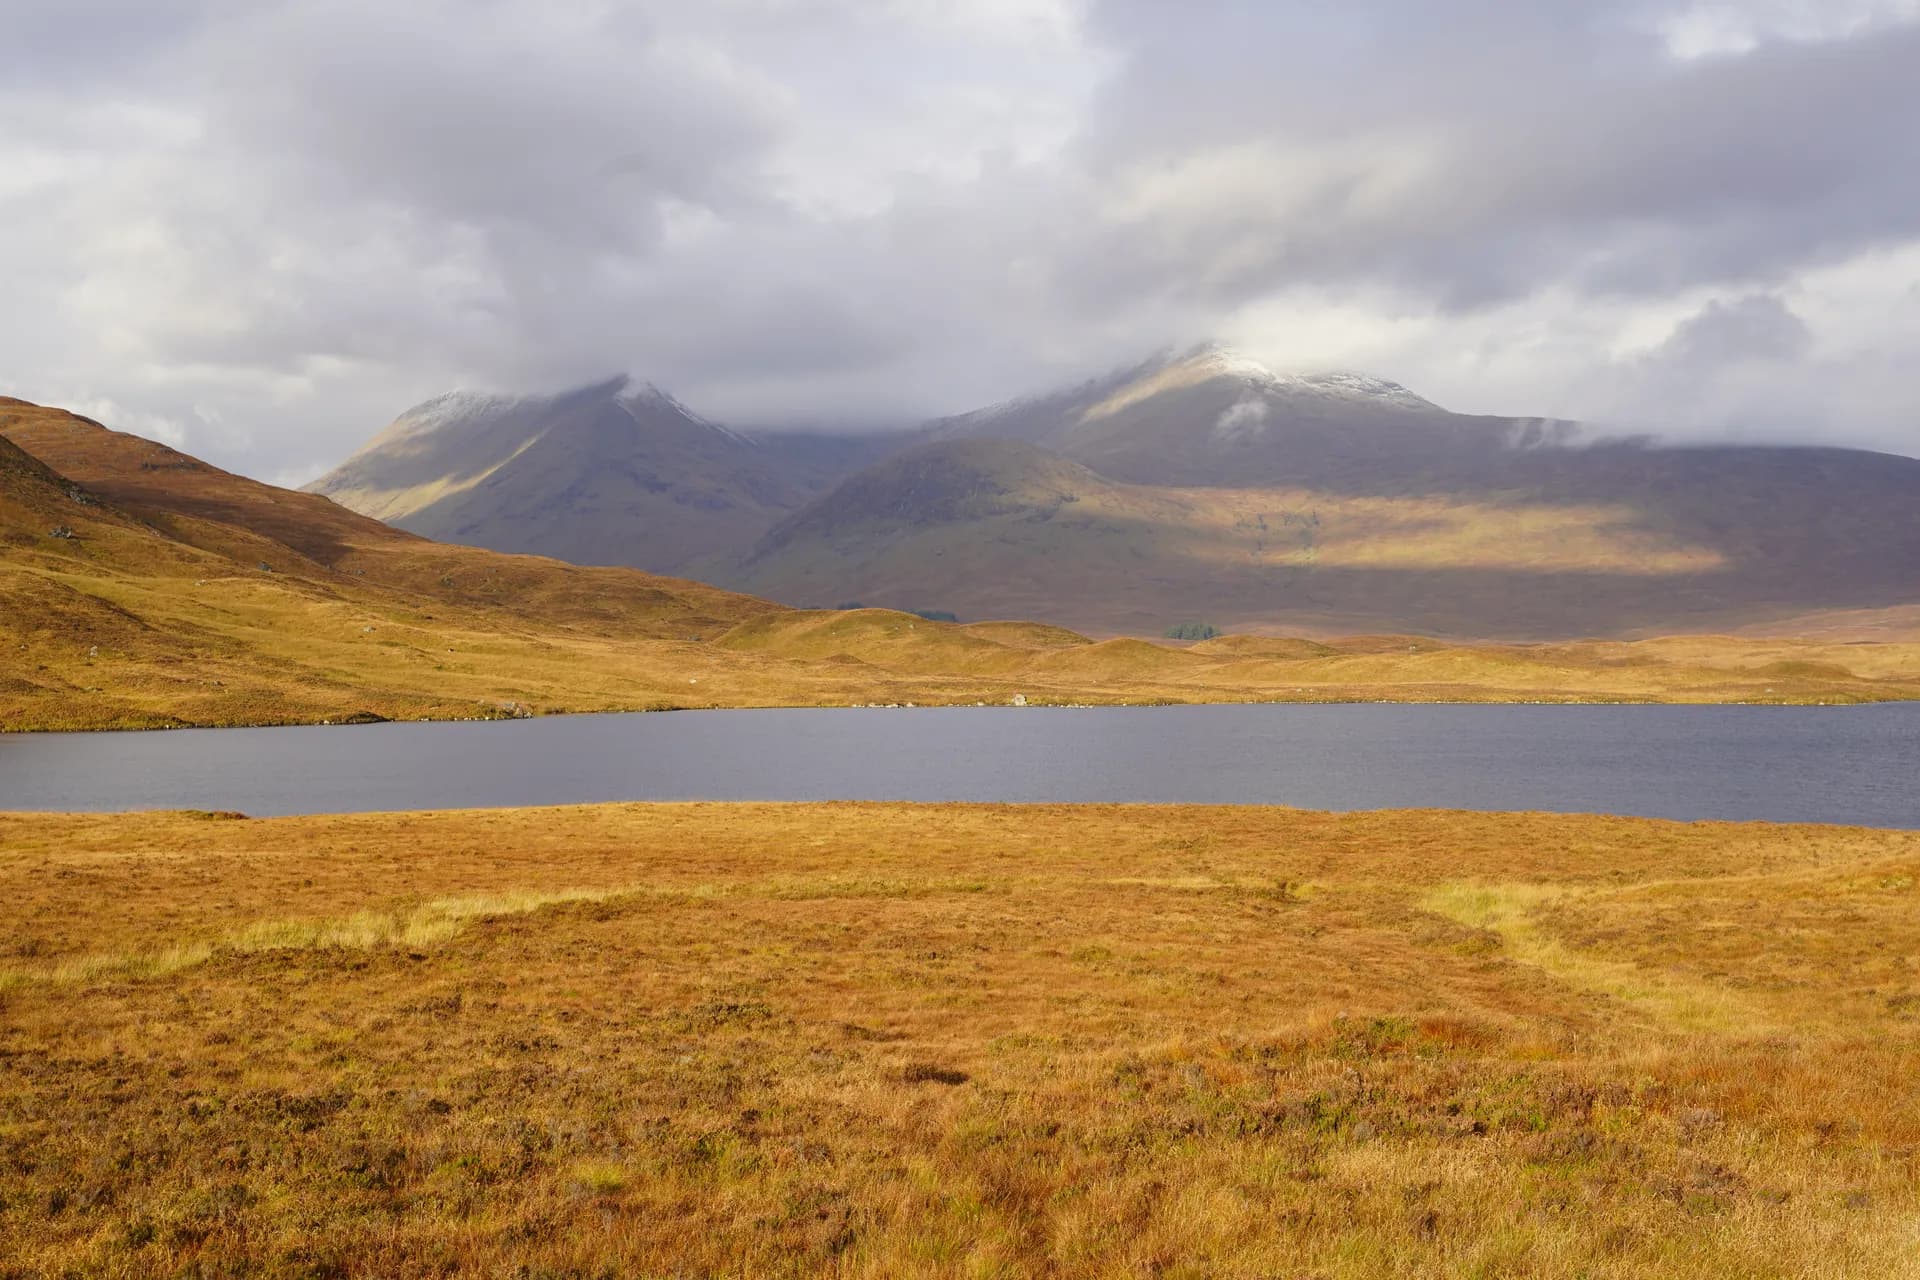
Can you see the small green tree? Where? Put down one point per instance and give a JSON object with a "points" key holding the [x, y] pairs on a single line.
{"points": [[1192, 631]]}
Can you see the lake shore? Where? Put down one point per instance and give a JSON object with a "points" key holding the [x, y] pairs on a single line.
{"points": [[865, 1040]]}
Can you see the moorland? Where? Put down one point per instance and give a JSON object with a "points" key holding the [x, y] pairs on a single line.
{"points": [[891, 1040]]}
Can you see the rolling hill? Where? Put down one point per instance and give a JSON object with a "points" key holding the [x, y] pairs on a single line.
{"points": [[608, 474]]}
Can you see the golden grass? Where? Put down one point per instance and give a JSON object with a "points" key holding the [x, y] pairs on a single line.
{"points": [[1301, 528], [1510, 912], [124, 651], [898, 1040], [417, 926]]}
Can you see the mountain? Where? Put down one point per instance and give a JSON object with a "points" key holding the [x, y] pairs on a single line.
{"points": [[1206, 487], [615, 473]]}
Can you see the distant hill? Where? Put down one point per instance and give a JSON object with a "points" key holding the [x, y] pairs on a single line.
{"points": [[609, 474], [1205, 487]]}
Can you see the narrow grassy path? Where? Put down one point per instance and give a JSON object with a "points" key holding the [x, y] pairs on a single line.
{"points": [[1510, 912]]}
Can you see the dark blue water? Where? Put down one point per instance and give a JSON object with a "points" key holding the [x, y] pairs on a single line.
{"points": [[1783, 764]]}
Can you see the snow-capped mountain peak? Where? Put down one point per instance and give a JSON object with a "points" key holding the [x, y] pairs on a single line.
{"points": [[1220, 360]]}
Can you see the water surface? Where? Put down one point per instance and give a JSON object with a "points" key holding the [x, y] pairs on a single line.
{"points": [[1785, 764]]}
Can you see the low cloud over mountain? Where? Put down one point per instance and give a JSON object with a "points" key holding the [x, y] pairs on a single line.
{"points": [[255, 230]]}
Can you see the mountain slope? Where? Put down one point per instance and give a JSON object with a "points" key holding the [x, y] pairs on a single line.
{"points": [[304, 537], [1207, 488], [605, 474], [989, 528]]}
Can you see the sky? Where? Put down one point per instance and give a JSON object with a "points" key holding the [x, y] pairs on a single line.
{"points": [[260, 229]]}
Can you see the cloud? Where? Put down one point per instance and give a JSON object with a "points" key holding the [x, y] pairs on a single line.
{"points": [[1242, 420], [275, 225], [1756, 328], [1752, 368]]}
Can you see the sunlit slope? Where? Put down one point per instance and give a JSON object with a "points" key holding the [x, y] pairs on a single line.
{"points": [[190, 501]]}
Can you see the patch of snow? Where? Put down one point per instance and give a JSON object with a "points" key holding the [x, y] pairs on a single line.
{"points": [[648, 393], [1235, 364], [1228, 362], [1360, 386], [455, 406]]}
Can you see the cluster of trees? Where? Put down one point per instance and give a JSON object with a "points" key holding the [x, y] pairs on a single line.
{"points": [[1192, 631]]}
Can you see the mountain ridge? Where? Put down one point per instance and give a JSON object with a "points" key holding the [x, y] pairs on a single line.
{"points": [[613, 472]]}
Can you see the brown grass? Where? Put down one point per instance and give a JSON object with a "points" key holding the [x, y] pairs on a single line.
{"points": [[895, 1040]]}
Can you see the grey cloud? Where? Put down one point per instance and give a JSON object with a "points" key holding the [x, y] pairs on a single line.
{"points": [[298, 217], [1620, 171], [67, 43], [1752, 368], [478, 114], [1757, 327]]}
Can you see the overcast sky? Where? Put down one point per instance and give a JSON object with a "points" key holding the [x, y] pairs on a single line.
{"points": [[261, 228]]}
